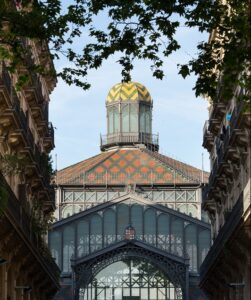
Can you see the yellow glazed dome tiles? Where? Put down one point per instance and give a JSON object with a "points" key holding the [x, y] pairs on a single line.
{"points": [[132, 91]]}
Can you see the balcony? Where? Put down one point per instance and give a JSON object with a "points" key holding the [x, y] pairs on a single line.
{"points": [[151, 141], [19, 134], [214, 126], [5, 83], [217, 111], [23, 224], [228, 153], [232, 218], [208, 137], [48, 140]]}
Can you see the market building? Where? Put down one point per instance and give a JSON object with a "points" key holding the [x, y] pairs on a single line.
{"points": [[130, 224]]}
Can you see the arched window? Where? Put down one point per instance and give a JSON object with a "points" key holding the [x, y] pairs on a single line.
{"points": [[82, 238], [137, 220], [68, 247], [113, 119], [133, 118], [95, 233], [163, 232], [150, 226], [122, 220], [67, 211], [109, 227], [177, 236], [130, 279], [116, 119], [192, 211], [110, 119], [145, 118], [191, 246], [55, 246], [125, 118], [148, 119], [204, 244]]}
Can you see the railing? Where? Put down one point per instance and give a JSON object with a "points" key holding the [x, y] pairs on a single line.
{"points": [[129, 138], [51, 132], [5, 78], [225, 232], [23, 124], [24, 223], [205, 128], [222, 144]]}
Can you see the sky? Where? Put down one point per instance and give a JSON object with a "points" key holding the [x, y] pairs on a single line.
{"points": [[79, 117]]}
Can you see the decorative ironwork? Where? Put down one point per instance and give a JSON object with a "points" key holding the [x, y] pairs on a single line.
{"points": [[130, 233], [109, 140], [176, 271], [224, 234]]}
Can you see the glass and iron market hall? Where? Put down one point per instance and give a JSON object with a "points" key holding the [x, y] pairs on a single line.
{"points": [[130, 225]]}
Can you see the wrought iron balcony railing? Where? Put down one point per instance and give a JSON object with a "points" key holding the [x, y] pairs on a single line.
{"points": [[148, 139], [232, 220], [222, 145], [17, 212], [23, 125]]}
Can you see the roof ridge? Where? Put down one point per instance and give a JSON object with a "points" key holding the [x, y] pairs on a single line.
{"points": [[162, 159]]}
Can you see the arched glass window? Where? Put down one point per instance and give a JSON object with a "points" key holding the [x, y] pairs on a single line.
{"points": [[192, 211], [130, 279], [177, 236], [133, 118], [137, 220], [125, 118], [204, 244], [183, 208], [55, 246], [67, 211], [163, 232], [148, 119], [122, 220], [109, 227], [142, 118], [191, 246], [110, 119], [116, 119], [113, 119], [150, 226], [68, 247], [145, 118], [82, 238], [95, 233]]}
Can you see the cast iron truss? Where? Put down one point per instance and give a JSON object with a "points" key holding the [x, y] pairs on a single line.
{"points": [[175, 269]]}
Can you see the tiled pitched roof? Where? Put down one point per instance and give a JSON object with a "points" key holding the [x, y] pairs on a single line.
{"points": [[129, 166]]}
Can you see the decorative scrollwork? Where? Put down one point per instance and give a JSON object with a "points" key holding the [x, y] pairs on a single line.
{"points": [[175, 271]]}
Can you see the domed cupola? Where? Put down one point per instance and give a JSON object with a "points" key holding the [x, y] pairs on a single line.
{"points": [[129, 117]]}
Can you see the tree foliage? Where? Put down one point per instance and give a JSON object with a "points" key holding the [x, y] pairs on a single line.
{"points": [[143, 29]]}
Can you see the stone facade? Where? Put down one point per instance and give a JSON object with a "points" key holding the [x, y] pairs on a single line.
{"points": [[225, 273], [27, 271]]}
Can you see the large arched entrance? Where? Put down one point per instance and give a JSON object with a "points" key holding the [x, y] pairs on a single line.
{"points": [[130, 279], [130, 271]]}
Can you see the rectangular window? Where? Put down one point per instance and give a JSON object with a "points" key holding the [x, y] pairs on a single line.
{"points": [[125, 119], [133, 118]]}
